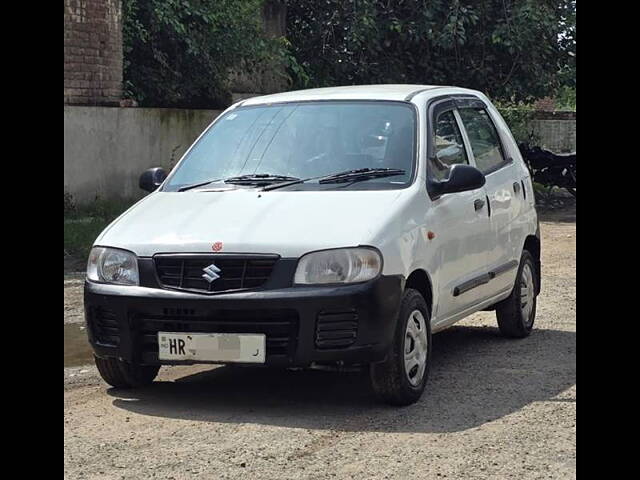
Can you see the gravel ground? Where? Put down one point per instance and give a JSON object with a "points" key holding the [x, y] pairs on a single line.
{"points": [[494, 408], [73, 309]]}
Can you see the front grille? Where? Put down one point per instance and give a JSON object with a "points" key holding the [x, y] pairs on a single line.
{"points": [[105, 326], [279, 326], [336, 329], [185, 272]]}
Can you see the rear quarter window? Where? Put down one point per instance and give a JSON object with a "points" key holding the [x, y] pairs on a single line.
{"points": [[484, 139]]}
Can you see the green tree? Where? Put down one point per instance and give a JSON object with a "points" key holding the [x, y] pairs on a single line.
{"points": [[567, 40], [512, 49], [179, 53]]}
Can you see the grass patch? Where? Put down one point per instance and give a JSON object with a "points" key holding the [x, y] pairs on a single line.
{"points": [[83, 224]]}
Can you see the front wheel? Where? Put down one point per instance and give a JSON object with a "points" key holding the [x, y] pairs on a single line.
{"points": [[517, 312], [401, 378]]}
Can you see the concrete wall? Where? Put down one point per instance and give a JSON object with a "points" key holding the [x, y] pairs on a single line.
{"points": [[556, 135], [106, 149]]}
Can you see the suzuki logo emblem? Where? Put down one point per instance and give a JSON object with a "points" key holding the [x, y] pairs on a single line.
{"points": [[211, 273]]}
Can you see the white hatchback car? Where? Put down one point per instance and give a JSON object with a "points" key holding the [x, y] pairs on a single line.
{"points": [[333, 226]]}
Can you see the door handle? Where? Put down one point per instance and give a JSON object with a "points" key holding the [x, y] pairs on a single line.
{"points": [[516, 187], [478, 204]]}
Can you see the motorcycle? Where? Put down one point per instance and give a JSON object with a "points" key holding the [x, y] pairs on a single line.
{"points": [[549, 168]]}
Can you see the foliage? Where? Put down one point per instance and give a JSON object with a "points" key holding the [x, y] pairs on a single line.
{"points": [[567, 39], [183, 53], [179, 53], [508, 48], [566, 98], [518, 118]]}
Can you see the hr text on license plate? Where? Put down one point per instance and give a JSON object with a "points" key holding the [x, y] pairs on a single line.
{"points": [[212, 347]]}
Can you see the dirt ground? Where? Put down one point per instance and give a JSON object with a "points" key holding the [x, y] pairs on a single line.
{"points": [[494, 408]]}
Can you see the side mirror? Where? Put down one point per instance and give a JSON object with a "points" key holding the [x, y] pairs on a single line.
{"points": [[462, 178], [151, 179]]}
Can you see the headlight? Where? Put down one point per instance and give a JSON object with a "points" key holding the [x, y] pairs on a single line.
{"points": [[344, 265], [110, 265]]}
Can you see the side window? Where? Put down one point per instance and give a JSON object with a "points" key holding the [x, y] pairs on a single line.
{"points": [[448, 146], [484, 139]]}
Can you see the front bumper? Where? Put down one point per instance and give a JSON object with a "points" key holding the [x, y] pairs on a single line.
{"points": [[303, 325]]}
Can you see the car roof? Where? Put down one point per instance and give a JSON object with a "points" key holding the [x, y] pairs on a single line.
{"points": [[356, 92]]}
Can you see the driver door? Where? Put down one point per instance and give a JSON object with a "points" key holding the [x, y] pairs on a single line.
{"points": [[460, 220]]}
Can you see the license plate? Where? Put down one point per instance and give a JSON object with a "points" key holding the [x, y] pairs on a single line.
{"points": [[212, 347]]}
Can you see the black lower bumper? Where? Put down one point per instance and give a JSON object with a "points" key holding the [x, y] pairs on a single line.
{"points": [[303, 325]]}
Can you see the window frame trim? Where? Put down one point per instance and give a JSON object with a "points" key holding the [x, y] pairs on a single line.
{"points": [[435, 106], [465, 145], [465, 138]]}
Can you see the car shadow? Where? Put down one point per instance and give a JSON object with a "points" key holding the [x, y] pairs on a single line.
{"points": [[477, 377]]}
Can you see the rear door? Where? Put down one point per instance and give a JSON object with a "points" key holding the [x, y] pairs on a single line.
{"points": [[460, 221], [503, 189]]}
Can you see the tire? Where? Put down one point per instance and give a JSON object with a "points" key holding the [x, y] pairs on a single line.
{"points": [[516, 313], [121, 374], [389, 379]]}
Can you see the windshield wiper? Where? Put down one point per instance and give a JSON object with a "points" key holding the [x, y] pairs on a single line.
{"points": [[259, 179], [361, 174], [196, 185], [344, 177], [255, 179]]}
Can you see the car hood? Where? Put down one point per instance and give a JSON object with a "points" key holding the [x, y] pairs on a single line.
{"points": [[285, 223]]}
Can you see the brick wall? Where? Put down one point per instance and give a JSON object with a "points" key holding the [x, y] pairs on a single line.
{"points": [[92, 52], [545, 104]]}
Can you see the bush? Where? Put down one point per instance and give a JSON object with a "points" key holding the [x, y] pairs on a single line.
{"points": [[566, 98], [179, 53], [518, 118]]}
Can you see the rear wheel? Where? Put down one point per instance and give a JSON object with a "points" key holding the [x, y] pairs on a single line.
{"points": [[517, 312], [121, 374], [401, 378]]}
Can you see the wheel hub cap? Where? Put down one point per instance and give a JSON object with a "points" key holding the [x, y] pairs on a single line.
{"points": [[527, 293], [415, 348]]}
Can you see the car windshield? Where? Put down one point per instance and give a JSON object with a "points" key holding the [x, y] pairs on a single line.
{"points": [[303, 140]]}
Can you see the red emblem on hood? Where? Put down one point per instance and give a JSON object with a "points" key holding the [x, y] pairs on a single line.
{"points": [[216, 247]]}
